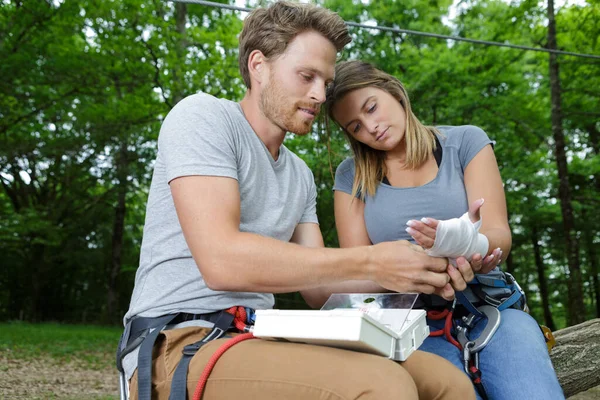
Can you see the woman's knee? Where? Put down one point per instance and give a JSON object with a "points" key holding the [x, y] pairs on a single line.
{"points": [[519, 328]]}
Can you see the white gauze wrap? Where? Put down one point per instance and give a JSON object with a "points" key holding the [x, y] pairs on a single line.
{"points": [[459, 237]]}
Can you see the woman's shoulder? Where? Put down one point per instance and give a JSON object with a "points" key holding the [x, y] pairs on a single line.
{"points": [[455, 135], [344, 175], [346, 167]]}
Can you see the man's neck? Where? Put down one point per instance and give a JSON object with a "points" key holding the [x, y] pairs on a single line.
{"points": [[270, 134]]}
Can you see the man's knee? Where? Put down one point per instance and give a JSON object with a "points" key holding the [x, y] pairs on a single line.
{"points": [[437, 378], [380, 378], [348, 374]]}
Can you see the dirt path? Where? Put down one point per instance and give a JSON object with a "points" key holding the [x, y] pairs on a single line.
{"points": [[44, 378]]}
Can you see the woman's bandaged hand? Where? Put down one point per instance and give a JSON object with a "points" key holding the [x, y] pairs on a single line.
{"points": [[459, 237]]}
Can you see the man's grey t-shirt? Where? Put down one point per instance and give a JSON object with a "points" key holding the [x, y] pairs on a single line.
{"points": [[203, 135], [445, 197]]}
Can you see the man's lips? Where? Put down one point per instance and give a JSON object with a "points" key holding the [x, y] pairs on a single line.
{"points": [[311, 111]]}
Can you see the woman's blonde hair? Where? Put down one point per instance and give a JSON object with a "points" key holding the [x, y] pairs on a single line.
{"points": [[369, 163]]}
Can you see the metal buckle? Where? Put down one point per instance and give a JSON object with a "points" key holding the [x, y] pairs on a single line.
{"points": [[474, 346]]}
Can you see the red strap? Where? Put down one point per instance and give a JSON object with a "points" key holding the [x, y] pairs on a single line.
{"points": [[240, 317], [213, 360], [447, 330]]}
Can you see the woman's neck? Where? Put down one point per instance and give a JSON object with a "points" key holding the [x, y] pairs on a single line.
{"points": [[396, 156]]}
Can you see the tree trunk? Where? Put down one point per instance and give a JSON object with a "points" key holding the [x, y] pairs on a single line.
{"points": [[594, 135], [576, 357], [542, 281], [593, 260], [117, 237], [180, 50], [574, 282], [38, 283]]}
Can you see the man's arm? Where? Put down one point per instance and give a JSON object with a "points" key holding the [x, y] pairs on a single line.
{"points": [[309, 235], [352, 233], [208, 209]]}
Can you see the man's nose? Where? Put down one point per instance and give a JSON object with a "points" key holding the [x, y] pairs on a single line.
{"points": [[317, 93]]}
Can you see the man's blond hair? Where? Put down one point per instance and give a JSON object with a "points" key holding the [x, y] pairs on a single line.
{"points": [[271, 30]]}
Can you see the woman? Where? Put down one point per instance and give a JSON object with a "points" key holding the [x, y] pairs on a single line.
{"points": [[403, 180]]}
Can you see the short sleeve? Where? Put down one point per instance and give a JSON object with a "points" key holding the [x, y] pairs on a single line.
{"points": [[310, 210], [344, 176], [196, 138], [473, 141]]}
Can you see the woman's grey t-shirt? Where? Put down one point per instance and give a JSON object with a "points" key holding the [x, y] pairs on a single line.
{"points": [[445, 197], [203, 135]]}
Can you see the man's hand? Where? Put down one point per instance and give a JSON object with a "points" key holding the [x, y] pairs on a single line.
{"points": [[404, 267]]}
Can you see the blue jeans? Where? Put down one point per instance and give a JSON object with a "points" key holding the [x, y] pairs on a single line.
{"points": [[514, 365]]}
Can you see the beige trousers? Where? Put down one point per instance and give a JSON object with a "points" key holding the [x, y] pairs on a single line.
{"points": [[260, 369]]}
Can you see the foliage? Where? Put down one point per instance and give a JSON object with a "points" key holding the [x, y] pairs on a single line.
{"points": [[87, 84]]}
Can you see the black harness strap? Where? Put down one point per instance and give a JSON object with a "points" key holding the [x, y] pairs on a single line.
{"points": [[143, 331], [145, 358], [179, 382]]}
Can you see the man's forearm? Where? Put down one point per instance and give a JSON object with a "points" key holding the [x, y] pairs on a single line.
{"points": [[254, 263]]}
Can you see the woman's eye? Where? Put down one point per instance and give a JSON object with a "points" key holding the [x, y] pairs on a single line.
{"points": [[356, 128], [372, 108], [307, 78]]}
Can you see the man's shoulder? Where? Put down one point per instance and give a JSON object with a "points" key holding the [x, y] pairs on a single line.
{"points": [[203, 102], [200, 113]]}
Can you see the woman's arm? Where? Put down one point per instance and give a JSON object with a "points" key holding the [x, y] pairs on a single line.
{"points": [[483, 181], [352, 232]]}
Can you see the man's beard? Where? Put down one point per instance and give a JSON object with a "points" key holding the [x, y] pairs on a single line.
{"points": [[276, 106]]}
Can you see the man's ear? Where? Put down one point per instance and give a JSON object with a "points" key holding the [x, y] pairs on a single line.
{"points": [[258, 66]]}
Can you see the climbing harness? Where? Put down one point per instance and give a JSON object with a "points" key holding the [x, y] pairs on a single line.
{"points": [[143, 332], [487, 295]]}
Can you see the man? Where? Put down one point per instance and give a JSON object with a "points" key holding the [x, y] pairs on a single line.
{"points": [[231, 219]]}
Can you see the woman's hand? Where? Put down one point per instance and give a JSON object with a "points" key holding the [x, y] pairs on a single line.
{"points": [[424, 234], [423, 231]]}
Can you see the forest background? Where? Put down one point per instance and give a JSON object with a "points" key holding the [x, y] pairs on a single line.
{"points": [[86, 83]]}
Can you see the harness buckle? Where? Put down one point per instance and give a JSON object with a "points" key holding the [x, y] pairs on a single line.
{"points": [[467, 355], [493, 322], [192, 349]]}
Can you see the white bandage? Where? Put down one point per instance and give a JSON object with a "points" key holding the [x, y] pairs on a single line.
{"points": [[459, 237]]}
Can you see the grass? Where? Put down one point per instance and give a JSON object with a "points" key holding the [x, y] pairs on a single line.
{"points": [[93, 346], [53, 396]]}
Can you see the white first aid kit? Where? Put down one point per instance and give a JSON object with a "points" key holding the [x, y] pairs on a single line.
{"points": [[392, 333]]}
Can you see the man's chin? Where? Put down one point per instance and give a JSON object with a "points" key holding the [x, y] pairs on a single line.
{"points": [[300, 128]]}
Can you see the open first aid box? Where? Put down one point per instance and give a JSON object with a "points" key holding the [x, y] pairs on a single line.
{"points": [[390, 332]]}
